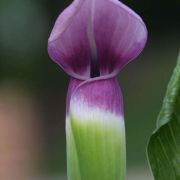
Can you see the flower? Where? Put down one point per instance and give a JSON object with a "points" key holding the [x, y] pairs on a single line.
{"points": [[92, 40]]}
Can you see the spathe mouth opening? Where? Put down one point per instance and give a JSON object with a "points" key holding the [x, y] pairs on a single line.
{"points": [[94, 71]]}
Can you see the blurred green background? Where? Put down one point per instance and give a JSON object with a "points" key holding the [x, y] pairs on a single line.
{"points": [[28, 74]]}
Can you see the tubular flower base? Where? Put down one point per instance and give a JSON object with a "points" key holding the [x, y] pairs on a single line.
{"points": [[95, 131], [92, 40]]}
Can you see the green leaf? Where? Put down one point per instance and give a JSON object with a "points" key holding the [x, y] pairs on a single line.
{"points": [[164, 145]]}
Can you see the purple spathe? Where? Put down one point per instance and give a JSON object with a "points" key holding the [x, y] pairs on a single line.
{"points": [[103, 31], [92, 40]]}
